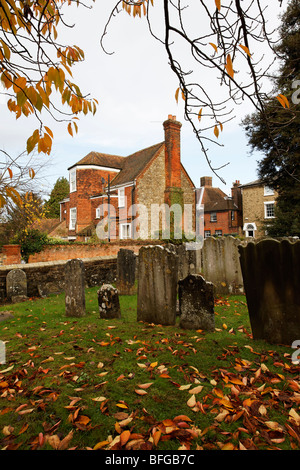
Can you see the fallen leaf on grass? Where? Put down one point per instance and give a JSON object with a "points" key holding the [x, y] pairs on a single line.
{"points": [[185, 387], [197, 389], [124, 437], [57, 444], [191, 401], [141, 392], [145, 386], [99, 399]]}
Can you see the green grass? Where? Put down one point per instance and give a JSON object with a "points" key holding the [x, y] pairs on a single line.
{"points": [[57, 367]]}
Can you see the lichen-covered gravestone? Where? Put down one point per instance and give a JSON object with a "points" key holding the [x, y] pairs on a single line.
{"points": [[75, 288], [196, 303], [126, 266], [16, 285], [157, 285], [108, 301], [271, 273]]}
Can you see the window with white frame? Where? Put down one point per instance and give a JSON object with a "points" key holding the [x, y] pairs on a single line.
{"points": [[98, 212], [73, 217], [218, 233], [121, 197], [213, 217], [72, 176], [125, 231], [268, 191], [269, 210], [206, 233]]}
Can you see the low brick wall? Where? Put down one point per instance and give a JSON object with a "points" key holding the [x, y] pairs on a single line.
{"points": [[88, 250], [47, 278]]}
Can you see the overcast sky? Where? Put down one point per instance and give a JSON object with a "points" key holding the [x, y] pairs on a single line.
{"points": [[136, 92]]}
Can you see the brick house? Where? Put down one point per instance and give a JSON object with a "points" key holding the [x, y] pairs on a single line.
{"points": [[222, 214], [258, 207], [118, 196]]}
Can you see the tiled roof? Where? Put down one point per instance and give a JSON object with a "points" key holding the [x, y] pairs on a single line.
{"points": [[101, 159], [134, 164], [130, 166], [214, 199]]}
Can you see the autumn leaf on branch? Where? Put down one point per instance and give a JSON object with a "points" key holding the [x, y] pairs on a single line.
{"points": [[30, 88]]}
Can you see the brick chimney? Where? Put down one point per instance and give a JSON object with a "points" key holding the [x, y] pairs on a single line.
{"points": [[236, 194], [172, 152], [206, 181]]}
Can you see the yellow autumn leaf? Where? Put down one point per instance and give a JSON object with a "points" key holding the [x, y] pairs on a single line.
{"points": [[99, 399], [216, 131], [200, 114], [218, 4], [176, 95], [100, 445], [141, 392]]}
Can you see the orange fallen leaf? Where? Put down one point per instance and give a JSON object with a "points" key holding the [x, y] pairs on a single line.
{"points": [[100, 445], [156, 437], [124, 437], [145, 386]]}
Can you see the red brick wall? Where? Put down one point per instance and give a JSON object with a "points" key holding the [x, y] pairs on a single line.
{"points": [[223, 223], [11, 254], [64, 252]]}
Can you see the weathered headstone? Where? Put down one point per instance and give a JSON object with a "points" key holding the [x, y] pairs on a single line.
{"points": [[16, 285], [221, 266], [157, 285], [75, 288], [187, 262], [271, 273], [196, 303], [126, 266], [108, 301]]}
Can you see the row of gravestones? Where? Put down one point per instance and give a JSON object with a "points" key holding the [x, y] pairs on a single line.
{"points": [[156, 291], [271, 274]]}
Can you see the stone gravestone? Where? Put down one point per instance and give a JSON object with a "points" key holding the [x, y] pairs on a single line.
{"points": [[157, 285], [271, 274], [75, 288], [126, 266], [196, 303], [16, 285], [108, 301]]}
